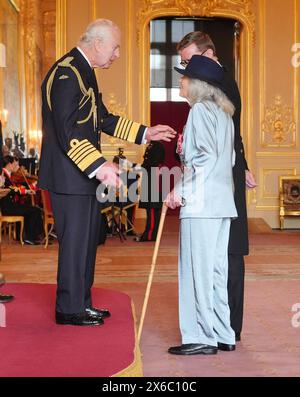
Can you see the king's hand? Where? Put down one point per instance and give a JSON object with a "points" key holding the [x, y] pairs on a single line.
{"points": [[160, 133]]}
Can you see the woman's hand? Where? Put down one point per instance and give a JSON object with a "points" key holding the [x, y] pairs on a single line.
{"points": [[173, 200], [179, 144]]}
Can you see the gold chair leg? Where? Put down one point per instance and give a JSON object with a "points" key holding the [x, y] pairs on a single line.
{"points": [[21, 233], [281, 222], [14, 231], [9, 231], [46, 229]]}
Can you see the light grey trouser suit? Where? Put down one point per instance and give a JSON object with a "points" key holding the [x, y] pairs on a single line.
{"points": [[204, 313]]}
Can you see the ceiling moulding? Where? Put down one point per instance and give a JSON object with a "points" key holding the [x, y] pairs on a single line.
{"points": [[242, 10]]}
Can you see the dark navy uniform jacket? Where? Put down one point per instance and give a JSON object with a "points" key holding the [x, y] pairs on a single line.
{"points": [[73, 115]]}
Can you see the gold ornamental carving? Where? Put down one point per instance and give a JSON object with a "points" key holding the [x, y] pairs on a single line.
{"points": [[242, 10], [116, 108], [111, 145], [279, 127]]}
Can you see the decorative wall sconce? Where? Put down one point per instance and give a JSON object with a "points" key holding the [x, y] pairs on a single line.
{"points": [[35, 138], [2, 56], [4, 117]]}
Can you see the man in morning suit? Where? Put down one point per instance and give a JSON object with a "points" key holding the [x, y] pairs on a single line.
{"points": [[199, 43], [72, 163]]}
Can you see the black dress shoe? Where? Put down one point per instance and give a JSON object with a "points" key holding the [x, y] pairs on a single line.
{"points": [[193, 348], [237, 336], [29, 242], [6, 298], [101, 313], [77, 319], [143, 240], [225, 347], [32, 242]]}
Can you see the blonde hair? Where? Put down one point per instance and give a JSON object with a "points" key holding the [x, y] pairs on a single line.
{"points": [[200, 91], [97, 29]]}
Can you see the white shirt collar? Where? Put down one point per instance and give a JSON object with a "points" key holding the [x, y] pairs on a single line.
{"points": [[85, 57]]}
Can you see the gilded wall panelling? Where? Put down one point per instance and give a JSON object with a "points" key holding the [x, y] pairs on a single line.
{"points": [[278, 127], [61, 28], [269, 178], [116, 108], [11, 74], [282, 155], [93, 10], [296, 70], [33, 44], [150, 9], [49, 40], [111, 145], [122, 107], [277, 121], [16, 4]]}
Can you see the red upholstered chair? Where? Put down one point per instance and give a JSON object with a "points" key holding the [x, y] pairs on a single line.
{"points": [[48, 214]]}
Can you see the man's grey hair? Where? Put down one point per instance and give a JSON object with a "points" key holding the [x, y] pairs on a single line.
{"points": [[98, 29], [199, 91]]}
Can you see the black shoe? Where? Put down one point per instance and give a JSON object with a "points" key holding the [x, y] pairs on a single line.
{"points": [[32, 242], [140, 239], [237, 336], [77, 319], [29, 242], [131, 233], [193, 348], [101, 313], [6, 298], [226, 348]]}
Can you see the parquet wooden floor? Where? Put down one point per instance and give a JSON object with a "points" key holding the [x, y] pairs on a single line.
{"points": [[270, 343]]}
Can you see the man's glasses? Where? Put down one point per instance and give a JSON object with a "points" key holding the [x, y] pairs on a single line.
{"points": [[185, 62]]}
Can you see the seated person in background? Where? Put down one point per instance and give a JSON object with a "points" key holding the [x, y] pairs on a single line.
{"points": [[154, 157], [129, 175], [3, 298], [5, 151], [13, 203]]}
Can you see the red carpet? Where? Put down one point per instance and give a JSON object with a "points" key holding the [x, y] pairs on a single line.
{"points": [[32, 345]]}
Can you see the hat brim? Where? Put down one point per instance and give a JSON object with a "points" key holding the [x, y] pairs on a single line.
{"points": [[184, 72], [181, 71]]}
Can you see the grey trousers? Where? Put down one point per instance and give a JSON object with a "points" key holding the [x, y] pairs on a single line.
{"points": [[204, 313]]}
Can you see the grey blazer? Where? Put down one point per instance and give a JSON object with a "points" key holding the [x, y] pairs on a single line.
{"points": [[207, 156]]}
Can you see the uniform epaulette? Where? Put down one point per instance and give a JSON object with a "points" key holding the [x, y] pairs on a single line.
{"points": [[86, 94]]}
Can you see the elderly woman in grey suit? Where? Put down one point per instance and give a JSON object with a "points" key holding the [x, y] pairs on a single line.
{"points": [[206, 196]]}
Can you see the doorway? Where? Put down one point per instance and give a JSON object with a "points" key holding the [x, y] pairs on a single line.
{"points": [[166, 106]]}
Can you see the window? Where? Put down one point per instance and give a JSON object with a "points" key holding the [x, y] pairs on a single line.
{"points": [[166, 33]]}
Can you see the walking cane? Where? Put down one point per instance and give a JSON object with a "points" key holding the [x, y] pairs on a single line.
{"points": [[150, 278]]}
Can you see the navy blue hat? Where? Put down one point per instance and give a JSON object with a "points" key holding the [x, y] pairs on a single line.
{"points": [[205, 69]]}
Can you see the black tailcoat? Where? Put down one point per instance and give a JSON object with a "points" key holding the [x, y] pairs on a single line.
{"points": [[238, 240]]}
